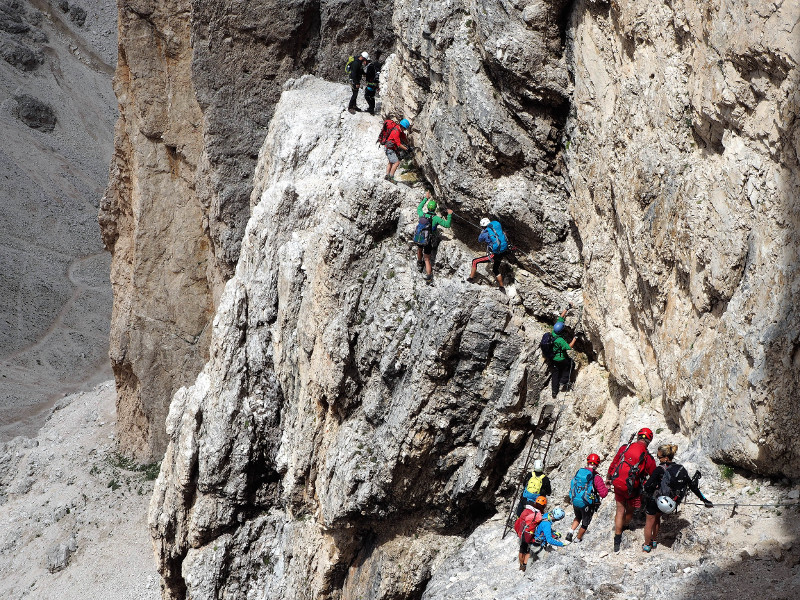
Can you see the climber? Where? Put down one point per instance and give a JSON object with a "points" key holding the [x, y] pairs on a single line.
{"points": [[560, 361], [630, 467], [586, 491], [664, 490], [372, 74], [544, 535], [525, 527], [356, 73], [425, 236], [538, 485], [496, 247], [395, 139]]}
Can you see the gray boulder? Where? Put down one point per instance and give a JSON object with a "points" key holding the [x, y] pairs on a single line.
{"points": [[35, 113]]}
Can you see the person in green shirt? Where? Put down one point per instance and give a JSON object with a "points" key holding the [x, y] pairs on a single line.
{"points": [[428, 219], [562, 363]]}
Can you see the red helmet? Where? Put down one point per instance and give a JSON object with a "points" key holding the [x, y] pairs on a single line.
{"points": [[645, 433], [593, 459]]}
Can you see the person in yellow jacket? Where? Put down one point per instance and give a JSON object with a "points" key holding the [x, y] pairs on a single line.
{"points": [[538, 485]]}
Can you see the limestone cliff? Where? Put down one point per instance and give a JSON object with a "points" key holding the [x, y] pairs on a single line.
{"points": [[197, 82], [353, 425]]}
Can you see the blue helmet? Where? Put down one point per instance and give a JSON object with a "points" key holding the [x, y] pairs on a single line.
{"points": [[558, 514], [558, 327], [405, 124]]}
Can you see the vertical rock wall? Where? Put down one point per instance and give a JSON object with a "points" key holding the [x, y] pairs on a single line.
{"points": [[197, 82], [683, 149]]}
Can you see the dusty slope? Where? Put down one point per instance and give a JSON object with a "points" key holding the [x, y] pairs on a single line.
{"points": [[67, 532], [55, 297]]}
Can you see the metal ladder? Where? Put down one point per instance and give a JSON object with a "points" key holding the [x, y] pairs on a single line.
{"points": [[541, 438]]}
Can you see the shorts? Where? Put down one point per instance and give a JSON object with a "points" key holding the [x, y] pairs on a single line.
{"points": [[651, 507], [584, 515], [622, 497], [392, 155]]}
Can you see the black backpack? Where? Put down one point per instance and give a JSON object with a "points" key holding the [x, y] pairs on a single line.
{"points": [[674, 483], [547, 346]]}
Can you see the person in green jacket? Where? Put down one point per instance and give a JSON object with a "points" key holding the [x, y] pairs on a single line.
{"points": [[425, 235], [562, 363]]}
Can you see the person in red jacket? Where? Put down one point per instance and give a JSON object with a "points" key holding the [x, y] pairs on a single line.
{"points": [[397, 141], [632, 465]]}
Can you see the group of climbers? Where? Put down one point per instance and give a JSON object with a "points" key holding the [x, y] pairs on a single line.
{"points": [[634, 476], [369, 70]]}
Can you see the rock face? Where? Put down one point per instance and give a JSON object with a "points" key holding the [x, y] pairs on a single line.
{"points": [[353, 425], [360, 406], [181, 178], [690, 223]]}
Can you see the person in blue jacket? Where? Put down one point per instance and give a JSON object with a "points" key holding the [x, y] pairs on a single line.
{"points": [[496, 248], [544, 535]]}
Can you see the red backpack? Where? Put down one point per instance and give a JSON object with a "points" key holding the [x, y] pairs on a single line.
{"points": [[526, 524], [627, 475], [386, 130]]}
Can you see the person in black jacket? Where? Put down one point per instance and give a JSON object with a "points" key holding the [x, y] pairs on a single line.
{"points": [[538, 484], [356, 73], [372, 74], [664, 490]]}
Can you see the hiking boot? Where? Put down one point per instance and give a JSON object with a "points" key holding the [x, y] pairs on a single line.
{"points": [[654, 544], [646, 548], [420, 265], [523, 567], [427, 276], [617, 542], [502, 289], [569, 537], [470, 280]]}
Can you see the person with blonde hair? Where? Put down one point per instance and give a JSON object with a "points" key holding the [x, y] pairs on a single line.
{"points": [[664, 490]]}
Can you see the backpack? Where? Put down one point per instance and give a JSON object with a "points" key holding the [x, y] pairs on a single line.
{"points": [[626, 476], [674, 483], [526, 524], [531, 491], [422, 236], [581, 489], [386, 130], [497, 239], [348, 66], [546, 346]]}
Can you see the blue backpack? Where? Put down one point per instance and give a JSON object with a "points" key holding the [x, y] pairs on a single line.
{"points": [[424, 231], [581, 490], [497, 239]]}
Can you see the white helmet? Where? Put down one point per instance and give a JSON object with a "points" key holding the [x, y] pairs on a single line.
{"points": [[485, 222], [365, 56], [666, 504], [538, 465]]}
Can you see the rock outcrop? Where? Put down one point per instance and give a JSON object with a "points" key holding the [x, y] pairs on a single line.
{"points": [[353, 425], [352, 406], [197, 83]]}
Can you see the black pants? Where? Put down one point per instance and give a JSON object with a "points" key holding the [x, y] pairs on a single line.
{"points": [[561, 374], [369, 96], [584, 515], [354, 97]]}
